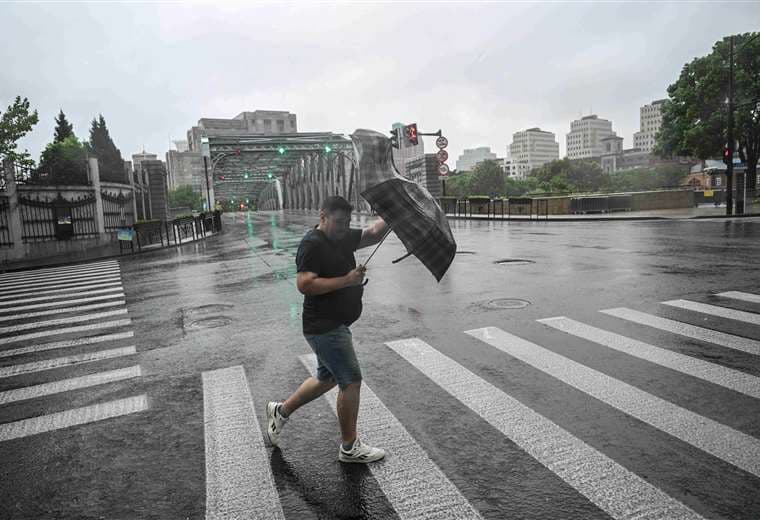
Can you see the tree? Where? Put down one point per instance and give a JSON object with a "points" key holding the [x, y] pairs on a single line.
{"points": [[110, 162], [184, 197], [487, 179], [63, 162], [564, 175], [15, 123], [695, 117], [63, 128]]}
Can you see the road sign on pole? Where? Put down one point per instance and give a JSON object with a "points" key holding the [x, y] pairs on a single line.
{"points": [[443, 170], [441, 142], [442, 156]]}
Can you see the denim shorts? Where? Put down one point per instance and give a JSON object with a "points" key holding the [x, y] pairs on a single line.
{"points": [[336, 359]]}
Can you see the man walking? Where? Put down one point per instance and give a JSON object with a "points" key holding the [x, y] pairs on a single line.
{"points": [[331, 283]]}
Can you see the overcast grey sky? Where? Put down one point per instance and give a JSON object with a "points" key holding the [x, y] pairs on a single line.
{"points": [[479, 71]]}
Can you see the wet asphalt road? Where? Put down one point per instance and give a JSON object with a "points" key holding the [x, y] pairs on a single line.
{"points": [[231, 300]]}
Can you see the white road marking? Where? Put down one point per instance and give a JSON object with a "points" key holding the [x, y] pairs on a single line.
{"points": [[57, 270], [66, 385], [690, 331], [67, 344], [728, 444], [117, 290], [80, 328], [57, 284], [59, 291], [59, 277], [65, 310], [76, 359], [608, 485], [714, 373], [65, 302], [77, 416], [62, 321], [413, 484], [239, 481], [715, 310], [738, 295]]}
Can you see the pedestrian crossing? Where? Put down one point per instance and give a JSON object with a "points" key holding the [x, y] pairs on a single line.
{"points": [[612, 486], [60, 317]]}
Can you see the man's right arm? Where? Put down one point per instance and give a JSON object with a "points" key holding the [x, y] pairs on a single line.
{"points": [[310, 284]]}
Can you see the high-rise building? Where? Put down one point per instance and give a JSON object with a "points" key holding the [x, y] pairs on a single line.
{"points": [[472, 156], [267, 122], [650, 117], [185, 169], [585, 137], [407, 152], [530, 149]]}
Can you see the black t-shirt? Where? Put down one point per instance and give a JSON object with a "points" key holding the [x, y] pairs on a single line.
{"points": [[317, 254]]}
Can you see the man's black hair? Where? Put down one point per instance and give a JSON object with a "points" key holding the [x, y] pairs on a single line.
{"points": [[336, 203]]}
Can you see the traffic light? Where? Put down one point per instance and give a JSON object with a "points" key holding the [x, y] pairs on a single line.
{"points": [[410, 131], [237, 151], [327, 148], [394, 137], [245, 175], [221, 177], [281, 150], [269, 175], [726, 157]]}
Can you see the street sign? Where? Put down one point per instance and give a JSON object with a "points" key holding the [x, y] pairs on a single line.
{"points": [[442, 155], [443, 170], [441, 142]]}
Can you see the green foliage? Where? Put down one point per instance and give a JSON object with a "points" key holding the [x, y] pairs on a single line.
{"points": [[643, 179], [487, 179], [184, 197], [110, 162], [63, 129], [15, 123], [565, 175], [63, 162]]}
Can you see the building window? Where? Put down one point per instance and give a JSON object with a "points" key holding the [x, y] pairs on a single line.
{"points": [[280, 125]]}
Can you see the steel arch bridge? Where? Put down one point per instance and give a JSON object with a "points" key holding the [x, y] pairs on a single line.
{"points": [[286, 171]]}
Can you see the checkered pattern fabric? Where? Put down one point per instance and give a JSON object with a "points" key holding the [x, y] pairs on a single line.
{"points": [[407, 207]]}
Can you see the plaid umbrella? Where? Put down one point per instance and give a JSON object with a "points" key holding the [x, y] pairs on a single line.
{"points": [[406, 207]]}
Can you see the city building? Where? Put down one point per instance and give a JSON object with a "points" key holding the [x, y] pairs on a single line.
{"points": [[266, 122], [185, 169], [530, 149], [158, 201], [424, 171], [650, 122], [585, 137], [472, 156], [407, 152], [138, 158]]}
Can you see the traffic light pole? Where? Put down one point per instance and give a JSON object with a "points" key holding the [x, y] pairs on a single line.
{"points": [[730, 134]]}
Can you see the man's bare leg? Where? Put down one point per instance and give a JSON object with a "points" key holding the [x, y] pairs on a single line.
{"points": [[348, 411], [307, 392]]}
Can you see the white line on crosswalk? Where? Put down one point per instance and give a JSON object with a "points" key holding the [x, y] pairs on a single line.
{"points": [[239, 481], [58, 284], [738, 295], [714, 373], [722, 441], [611, 487], [57, 270], [76, 359], [59, 303], [414, 485], [117, 290], [66, 330], [69, 289], [65, 310], [58, 277], [78, 342], [62, 321], [66, 385], [690, 331], [77, 416], [715, 310]]}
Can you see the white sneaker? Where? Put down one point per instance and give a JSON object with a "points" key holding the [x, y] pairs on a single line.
{"points": [[276, 422], [360, 453]]}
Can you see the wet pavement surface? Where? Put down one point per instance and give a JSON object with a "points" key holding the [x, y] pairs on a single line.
{"points": [[231, 301]]}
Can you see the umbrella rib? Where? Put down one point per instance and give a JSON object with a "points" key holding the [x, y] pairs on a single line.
{"points": [[388, 232]]}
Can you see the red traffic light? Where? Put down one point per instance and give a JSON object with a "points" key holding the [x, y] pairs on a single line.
{"points": [[237, 151], [726, 156], [411, 133]]}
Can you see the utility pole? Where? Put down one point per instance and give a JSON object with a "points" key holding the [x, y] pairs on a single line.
{"points": [[730, 135]]}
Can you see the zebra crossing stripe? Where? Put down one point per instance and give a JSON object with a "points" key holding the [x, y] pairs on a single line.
{"points": [[76, 359], [66, 302], [58, 284], [714, 373], [59, 291], [57, 270], [715, 310], [239, 481], [75, 417], [13, 303], [62, 321], [66, 330], [414, 485], [58, 278], [65, 310], [690, 331], [724, 442], [90, 340], [608, 485], [743, 296], [66, 385]]}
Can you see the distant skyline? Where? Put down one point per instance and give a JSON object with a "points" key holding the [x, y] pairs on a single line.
{"points": [[478, 71]]}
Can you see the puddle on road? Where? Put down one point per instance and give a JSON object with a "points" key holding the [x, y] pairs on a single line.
{"points": [[205, 316]]}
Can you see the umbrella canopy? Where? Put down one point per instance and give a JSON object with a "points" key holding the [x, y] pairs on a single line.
{"points": [[406, 207]]}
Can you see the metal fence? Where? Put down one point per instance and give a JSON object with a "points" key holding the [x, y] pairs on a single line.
{"points": [[41, 219], [5, 233], [117, 211]]}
